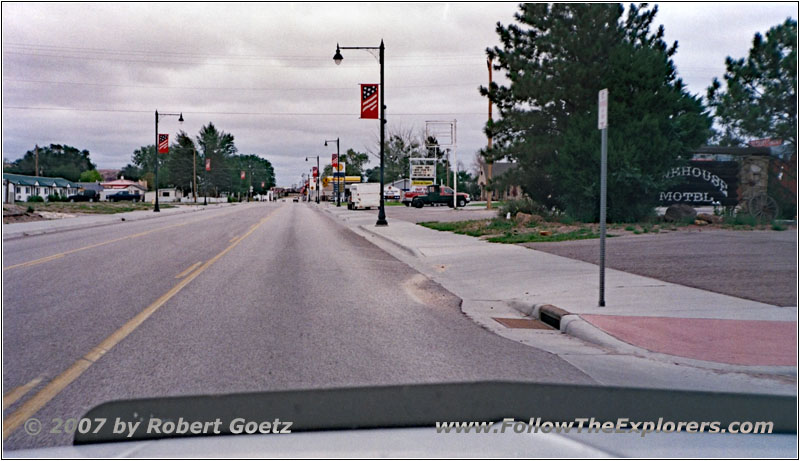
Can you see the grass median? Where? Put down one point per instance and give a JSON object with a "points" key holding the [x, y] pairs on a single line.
{"points": [[500, 230]]}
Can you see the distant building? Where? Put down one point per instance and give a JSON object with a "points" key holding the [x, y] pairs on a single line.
{"points": [[18, 187], [165, 194], [499, 169], [119, 185]]}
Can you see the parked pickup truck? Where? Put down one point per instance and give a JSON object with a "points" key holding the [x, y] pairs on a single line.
{"points": [[124, 195], [84, 196], [439, 195]]}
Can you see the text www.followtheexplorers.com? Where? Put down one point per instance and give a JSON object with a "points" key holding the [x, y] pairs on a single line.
{"points": [[592, 426]]}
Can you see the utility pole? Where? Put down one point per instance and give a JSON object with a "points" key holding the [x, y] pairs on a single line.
{"points": [[489, 161], [194, 174]]}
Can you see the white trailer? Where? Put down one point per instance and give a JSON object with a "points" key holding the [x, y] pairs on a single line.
{"points": [[364, 196]]}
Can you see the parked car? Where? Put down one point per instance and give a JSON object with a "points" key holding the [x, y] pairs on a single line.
{"points": [[124, 195], [84, 196], [439, 195]]}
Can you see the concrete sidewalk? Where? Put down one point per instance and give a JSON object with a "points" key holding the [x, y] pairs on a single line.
{"points": [[48, 226], [643, 316]]}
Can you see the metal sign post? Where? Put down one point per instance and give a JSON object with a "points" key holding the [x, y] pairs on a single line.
{"points": [[602, 125], [445, 134]]}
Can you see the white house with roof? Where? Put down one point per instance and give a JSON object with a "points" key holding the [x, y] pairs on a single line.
{"points": [[119, 185], [18, 187]]}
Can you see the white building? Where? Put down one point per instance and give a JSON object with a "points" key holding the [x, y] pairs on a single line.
{"points": [[119, 185], [18, 187], [165, 194]]}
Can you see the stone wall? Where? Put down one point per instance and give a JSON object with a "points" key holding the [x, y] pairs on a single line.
{"points": [[753, 176]]}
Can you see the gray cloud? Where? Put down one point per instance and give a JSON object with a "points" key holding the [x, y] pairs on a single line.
{"points": [[220, 62]]}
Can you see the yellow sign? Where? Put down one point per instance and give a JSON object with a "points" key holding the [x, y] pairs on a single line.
{"points": [[347, 179], [419, 182]]}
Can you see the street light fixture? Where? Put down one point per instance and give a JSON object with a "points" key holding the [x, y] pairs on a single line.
{"points": [[156, 209], [338, 161], [317, 179], [337, 58]]}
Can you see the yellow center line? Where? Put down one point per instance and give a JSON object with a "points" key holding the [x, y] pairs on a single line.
{"points": [[232, 239], [95, 245], [17, 393], [188, 269], [52, 389]]}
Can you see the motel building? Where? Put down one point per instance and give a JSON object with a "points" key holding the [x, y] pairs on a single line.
{"points": [[18, 187]]}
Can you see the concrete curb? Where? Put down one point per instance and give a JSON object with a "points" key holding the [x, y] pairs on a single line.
{"points": [[574, 325], [13, 235], [410, 250]]}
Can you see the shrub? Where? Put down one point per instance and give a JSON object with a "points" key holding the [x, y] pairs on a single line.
{"points": [[30, 209], [35, 198], [523, 205], [56, 198], [778, 226], [741, 219]]}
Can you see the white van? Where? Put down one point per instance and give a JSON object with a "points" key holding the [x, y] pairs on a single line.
{"points": [[364, 196]]}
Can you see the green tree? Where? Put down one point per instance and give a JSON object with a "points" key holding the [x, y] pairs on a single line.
{"points": [[144, 159], [55, 160], [131, 172], [557, 58], [180, 163], [355, 162], [90, 176], [399, 147], [760, 98], [256, 170], [219, 147]]}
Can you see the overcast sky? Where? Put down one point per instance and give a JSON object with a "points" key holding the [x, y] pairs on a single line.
{"points": [[264, 72]]}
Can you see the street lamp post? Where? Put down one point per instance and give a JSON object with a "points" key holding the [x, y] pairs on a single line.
{"points": [[316, 179], [338, 161], [156, 209], [337, 58]]}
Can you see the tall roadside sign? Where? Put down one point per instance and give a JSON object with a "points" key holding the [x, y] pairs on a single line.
{"points": [[602, 125]]}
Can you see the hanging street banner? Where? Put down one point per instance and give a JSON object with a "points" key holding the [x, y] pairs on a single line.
{"points": [[369, 100], [208, 164], [242, 174], [314, 172], [163, 143]]}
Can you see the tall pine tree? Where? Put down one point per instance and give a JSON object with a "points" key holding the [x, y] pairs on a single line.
{"points": [[557, 58]]}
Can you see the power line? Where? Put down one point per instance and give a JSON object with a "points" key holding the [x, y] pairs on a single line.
{"points": [[46, 47], [354, 87], [171, 62], [321, 114]]}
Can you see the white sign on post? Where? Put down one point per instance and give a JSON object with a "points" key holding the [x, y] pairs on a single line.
{"points": [[602, 109]]}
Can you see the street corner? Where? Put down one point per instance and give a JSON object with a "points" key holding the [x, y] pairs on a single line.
{"points": [[733, 342]]}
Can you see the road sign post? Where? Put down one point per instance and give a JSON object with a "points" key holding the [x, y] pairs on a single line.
{"points": [[602, 125]]}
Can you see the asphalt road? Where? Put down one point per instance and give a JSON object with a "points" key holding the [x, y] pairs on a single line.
{"points": [[248, 298], [757, 265]]}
